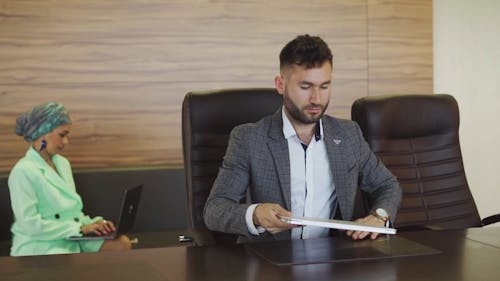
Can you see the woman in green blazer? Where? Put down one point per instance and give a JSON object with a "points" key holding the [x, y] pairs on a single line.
{"points": [[46, 207]]}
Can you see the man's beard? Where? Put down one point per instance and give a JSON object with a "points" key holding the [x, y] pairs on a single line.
{"points": [[299, 114]]}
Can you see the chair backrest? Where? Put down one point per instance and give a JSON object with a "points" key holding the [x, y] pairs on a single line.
{"points": [[6, 217], [416, 137], [207, 120]]}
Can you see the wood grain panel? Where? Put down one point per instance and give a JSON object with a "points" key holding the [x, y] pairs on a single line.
{"points": [[122, 67], [400, 47]]}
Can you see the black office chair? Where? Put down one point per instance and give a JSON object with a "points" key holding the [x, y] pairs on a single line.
{"points": [[416, 136], [207, 119]]}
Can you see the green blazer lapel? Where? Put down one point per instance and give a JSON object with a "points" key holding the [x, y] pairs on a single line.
{"points": [[61, 182], [335, 145], [278, 146], [58, 182]]}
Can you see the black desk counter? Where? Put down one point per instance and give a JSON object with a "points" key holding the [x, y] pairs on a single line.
{"points": [[466, 255]]}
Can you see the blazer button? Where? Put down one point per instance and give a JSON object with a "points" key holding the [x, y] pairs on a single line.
{"points": [[57, 216], [77, 219]]}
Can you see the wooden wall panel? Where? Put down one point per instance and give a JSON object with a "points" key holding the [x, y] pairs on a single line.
{"points": [[400, 47], [122, 68]]}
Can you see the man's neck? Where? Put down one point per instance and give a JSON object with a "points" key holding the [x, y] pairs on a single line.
{"points": [[305, 132], [306, 135]]}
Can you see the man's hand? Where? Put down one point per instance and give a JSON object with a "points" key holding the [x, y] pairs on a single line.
{"points": [[369, 220], [267, 215]]}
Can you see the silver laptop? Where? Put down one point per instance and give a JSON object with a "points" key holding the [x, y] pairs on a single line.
{"points": [[130, 204]]}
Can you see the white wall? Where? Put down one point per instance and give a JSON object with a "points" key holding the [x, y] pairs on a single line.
{"points": [[467, 66]]}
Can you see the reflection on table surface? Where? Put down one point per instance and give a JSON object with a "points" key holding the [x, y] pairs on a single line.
{"points": [[466, 255]]}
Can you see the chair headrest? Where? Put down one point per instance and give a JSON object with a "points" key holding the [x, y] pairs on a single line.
{"points": [[219, 111], [406, 116]]}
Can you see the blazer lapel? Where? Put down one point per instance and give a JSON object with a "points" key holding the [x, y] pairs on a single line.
{"points": [[335, 145], [56, 180], [278, 146]]}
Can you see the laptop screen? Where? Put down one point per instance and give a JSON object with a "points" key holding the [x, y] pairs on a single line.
{"points": [[129, 209]]}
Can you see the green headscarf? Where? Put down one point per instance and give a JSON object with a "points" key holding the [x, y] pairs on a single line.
{"points": [[40, 120]]}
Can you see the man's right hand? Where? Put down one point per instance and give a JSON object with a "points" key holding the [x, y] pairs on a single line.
{"points": [[268, 215]]}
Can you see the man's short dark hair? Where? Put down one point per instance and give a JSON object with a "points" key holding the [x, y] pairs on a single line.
{"points": [[306, 51]]}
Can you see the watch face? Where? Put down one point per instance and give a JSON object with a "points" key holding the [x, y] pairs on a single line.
{"points": [[382, 213]]}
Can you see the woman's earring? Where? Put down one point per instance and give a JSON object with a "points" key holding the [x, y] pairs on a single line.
{"points": [[43, 145]]}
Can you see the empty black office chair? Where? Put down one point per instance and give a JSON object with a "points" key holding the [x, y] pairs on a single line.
{"points": [[207, 119], [416, 136]]}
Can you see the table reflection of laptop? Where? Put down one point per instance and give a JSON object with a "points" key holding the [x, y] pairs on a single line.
{"points": [[128, 211]]}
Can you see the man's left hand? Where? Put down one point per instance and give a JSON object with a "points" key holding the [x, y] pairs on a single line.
{"points": [[369, 220]]}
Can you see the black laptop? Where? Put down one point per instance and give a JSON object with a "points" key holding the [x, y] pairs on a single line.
{"points": [[130, 204]]}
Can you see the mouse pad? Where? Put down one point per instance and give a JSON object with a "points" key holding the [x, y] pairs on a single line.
{"points": [[337, 249]]}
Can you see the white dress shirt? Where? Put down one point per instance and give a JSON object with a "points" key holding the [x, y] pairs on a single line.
{"points": [[311, 183]]}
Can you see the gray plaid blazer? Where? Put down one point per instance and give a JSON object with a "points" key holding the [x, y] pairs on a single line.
{"points": [[257, 166]]}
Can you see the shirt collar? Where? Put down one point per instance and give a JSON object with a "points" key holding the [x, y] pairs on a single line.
{"points": [[289, 131]]}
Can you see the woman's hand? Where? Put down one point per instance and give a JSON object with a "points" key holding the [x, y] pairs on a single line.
{"points": [[100, 227]]}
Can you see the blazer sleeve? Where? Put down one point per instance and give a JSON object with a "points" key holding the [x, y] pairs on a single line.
{"points": [[23, 196], [224, 211], [382, 186]]}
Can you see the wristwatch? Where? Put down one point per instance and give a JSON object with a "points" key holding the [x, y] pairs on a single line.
{"points": [[382, 215]]}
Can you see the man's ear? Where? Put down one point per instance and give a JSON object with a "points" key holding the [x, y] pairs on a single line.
{"points": [[280, 84]]}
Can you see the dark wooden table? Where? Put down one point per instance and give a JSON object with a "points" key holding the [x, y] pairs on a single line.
{"points": [[472, 254]]}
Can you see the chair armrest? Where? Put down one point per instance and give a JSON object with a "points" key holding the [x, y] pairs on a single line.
{"points": [[491, 219]]}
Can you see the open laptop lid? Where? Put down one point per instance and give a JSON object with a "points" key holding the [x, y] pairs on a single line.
{"points": [[128, 211]]}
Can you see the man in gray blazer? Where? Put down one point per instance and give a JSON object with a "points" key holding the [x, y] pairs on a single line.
{"points": [[299, 161]]}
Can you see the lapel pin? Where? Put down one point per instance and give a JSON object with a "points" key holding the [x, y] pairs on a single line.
{"points": [[337, 141]]}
